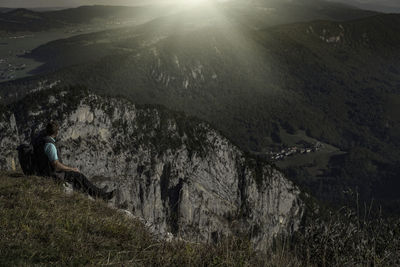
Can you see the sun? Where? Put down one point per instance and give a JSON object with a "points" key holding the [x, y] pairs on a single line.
{"points": [[193, 2]]}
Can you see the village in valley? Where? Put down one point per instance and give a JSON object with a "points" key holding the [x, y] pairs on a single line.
{"points": [[302, 148]]}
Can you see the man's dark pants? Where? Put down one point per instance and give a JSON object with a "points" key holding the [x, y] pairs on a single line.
{"points": [[81, 183]]}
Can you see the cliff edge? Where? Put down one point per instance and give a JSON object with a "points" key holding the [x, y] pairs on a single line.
{"points": [[175, 172]]}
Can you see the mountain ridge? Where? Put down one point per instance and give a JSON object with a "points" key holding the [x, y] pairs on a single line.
{"points": [[25, 20], [22, 19]]}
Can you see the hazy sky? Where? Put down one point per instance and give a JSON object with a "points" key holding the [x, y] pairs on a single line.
{"points": [[69, 3]]}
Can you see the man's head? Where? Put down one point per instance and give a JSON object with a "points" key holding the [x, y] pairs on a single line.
{"points": [[52, 129]]}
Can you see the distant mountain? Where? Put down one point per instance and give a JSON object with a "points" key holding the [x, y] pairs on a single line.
{"points": [[43, 9], [382, 6], [256, 14], [243, 15], [29, 20], [5, 9], [264, 13]]}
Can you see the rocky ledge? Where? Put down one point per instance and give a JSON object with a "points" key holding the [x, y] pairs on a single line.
{"points": [[175, 172]]}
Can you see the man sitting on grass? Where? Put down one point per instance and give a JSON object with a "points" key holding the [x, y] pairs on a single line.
{"points": [[49, 165]]}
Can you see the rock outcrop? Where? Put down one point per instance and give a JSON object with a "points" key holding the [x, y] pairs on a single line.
{"points": [[176, 172]]}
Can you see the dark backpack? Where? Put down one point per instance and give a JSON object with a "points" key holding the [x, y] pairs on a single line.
{"points": [[42, 163], [26, 157], [32, 158]]}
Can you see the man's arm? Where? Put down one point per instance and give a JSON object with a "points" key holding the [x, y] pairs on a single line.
{"points": [[51, 152], [58, 166]]}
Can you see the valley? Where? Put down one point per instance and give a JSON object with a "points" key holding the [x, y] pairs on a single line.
{"points": [[14, 47], [23, 30]]}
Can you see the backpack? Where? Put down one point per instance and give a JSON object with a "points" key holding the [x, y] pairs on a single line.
{"points": [[26, 159], [42, 163], [32, 159]]}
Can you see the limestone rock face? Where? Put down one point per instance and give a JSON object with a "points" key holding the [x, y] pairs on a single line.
{"points": [[175, 172], [9, 140]]}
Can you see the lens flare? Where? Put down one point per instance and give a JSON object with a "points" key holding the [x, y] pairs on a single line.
{"points": [[193, 2]]}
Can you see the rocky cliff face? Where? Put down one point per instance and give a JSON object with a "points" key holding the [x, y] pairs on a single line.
{"points": [[175, 172], [9, 140]]}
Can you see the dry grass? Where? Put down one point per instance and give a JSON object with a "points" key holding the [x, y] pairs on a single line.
{"points": [[350, 237], [39, 224]]}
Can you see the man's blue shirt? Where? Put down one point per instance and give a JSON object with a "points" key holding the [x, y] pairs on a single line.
{"points": [[51, 151]]}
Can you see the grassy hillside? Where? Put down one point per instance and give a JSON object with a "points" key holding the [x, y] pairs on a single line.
{"points": [[40, 224]]}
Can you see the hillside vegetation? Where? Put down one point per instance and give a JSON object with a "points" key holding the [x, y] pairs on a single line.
{"points": [[40, 224]]}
